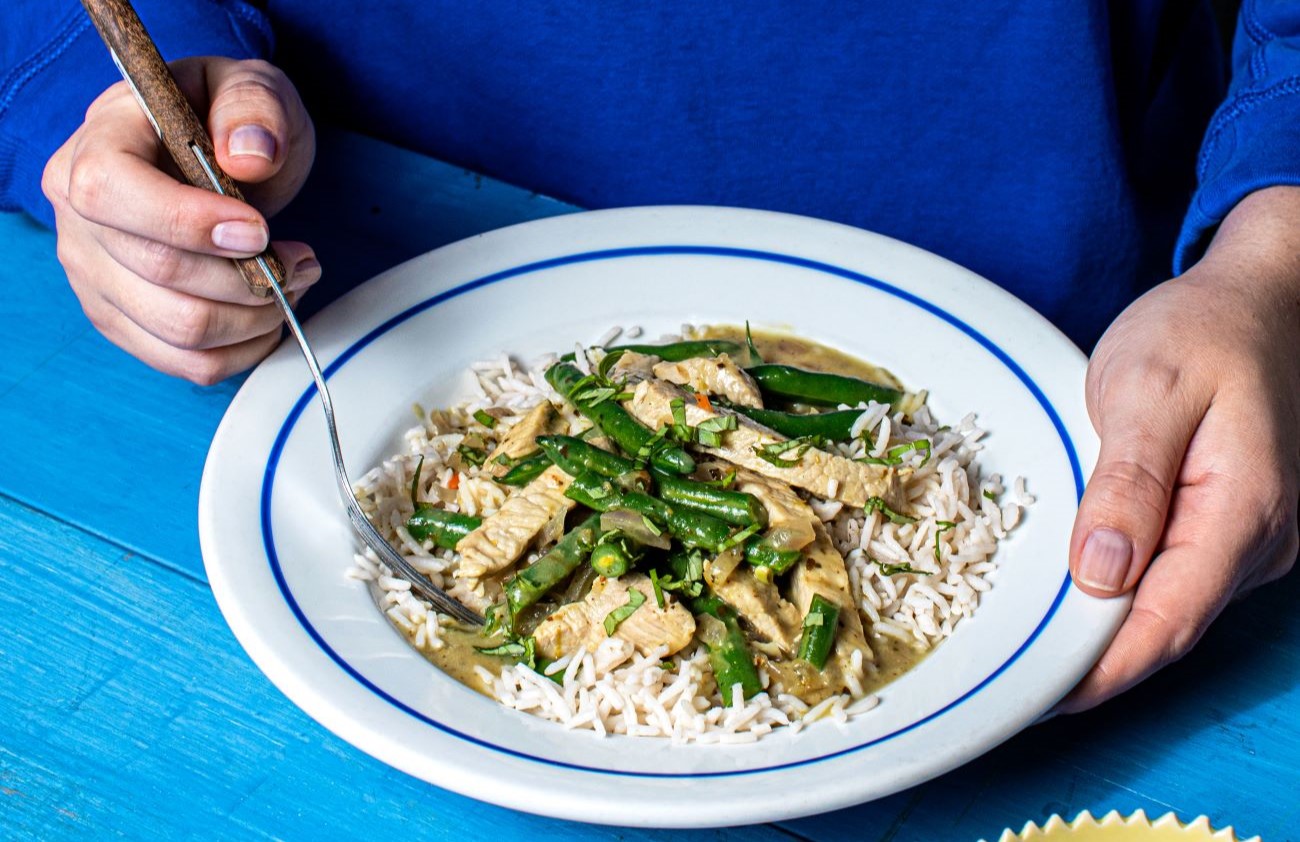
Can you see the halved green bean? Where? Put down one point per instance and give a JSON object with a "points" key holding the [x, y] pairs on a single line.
{"points": [[778, 561], [819, 627], [444, 527], [628, 433], [730, 658], [678, 351], [818, 388], [836, 425], [526, 469], [734, 507], [610, 560], [534, 581], [574, 456]]}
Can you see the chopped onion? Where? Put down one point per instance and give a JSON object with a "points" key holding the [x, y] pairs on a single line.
{"points": [[711, 630], [554, 528], [724, 564], [635, 526], [790, 536]]}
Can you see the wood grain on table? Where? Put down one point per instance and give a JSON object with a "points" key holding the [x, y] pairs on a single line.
{"points": [[128, 710]]}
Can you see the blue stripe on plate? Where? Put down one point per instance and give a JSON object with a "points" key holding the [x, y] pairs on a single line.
{"points": [[268, 483]]}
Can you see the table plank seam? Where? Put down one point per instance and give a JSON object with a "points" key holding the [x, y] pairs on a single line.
{"points": [[131, 552]]}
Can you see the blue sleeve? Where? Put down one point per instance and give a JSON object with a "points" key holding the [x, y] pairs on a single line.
{"points": [[53, 65], [1253, 140]]}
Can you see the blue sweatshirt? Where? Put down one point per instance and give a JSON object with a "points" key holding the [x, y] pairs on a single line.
{"points": [[1074, 151]]}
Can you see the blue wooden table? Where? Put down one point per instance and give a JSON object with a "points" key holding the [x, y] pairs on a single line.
{"points": [[127, 709]]}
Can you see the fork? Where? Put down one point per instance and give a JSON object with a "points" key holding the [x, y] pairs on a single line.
{"points": [[183, 134]]}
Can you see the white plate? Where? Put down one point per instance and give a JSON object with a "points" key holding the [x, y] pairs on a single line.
{"points": [[276, 542]]}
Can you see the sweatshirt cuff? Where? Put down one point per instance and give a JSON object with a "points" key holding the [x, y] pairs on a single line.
{"points": [[69, 66], [1253, 142]]}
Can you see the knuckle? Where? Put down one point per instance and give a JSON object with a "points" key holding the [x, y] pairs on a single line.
{"points": [[1171, 637], [1128, 486], [88, 183], [180, 222], [54, 178], [204, 368], [191, 324], [161, 263], [252, 92]]}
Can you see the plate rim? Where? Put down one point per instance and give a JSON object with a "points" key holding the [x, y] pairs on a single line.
{"points": [[355, 346]]}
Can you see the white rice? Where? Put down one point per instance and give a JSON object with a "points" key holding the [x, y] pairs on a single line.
{"points": [[616, 691]]}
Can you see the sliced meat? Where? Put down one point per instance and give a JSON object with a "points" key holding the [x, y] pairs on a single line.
{"points": [[714, 375], [582, 623], [760, 605], [633, 366], [503, 536], [824, 474], [786, 510], [822, 571], [521, 439]]}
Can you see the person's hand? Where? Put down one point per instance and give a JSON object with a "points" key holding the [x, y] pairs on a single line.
{"points": [[147, 255], [1195, 392]]}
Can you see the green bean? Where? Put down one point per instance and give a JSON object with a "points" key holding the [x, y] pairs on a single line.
{"points": [[734, 507], [627, 432], [610, 560], [574, 456], [532, 583], [593, 491], [819, 627], [444, 527], [678, 351], [818, 388], [526, 469], [730, 657], [760, 554], [836, 425], [691, 528]]}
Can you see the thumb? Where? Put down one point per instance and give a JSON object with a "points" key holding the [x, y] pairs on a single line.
{"points": [[254, 118], [1144, 436]]}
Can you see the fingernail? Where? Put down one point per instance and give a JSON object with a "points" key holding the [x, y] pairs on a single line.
{"points": [[305, 273], [247, 237], [1106, 557], [252, 140]]}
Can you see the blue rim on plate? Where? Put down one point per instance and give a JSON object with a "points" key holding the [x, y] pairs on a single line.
{"points": [[268, 482]]}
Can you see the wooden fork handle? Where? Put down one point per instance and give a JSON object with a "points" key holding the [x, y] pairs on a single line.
{"points": [[179, 128]]}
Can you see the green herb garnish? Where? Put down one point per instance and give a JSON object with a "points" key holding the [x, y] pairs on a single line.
{"points": [[485, 419], [644, 452], [895, 455], [415, 481], [493, 617], [524, 651], [739, 537], [941, 526], [892, 569], [472, 455], [989, 495], [754, 357], [878, 504], [709, 432], [659, 591], [775, 453], [615, 618]]}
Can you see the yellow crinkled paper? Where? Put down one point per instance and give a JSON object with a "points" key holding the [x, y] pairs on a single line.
{"points": [[1116, 828]]}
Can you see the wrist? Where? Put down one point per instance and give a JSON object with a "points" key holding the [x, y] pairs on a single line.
{"points": [[1258, 243]]}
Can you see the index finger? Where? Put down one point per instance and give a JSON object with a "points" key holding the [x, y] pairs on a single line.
{"points": [[115, 181]]}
